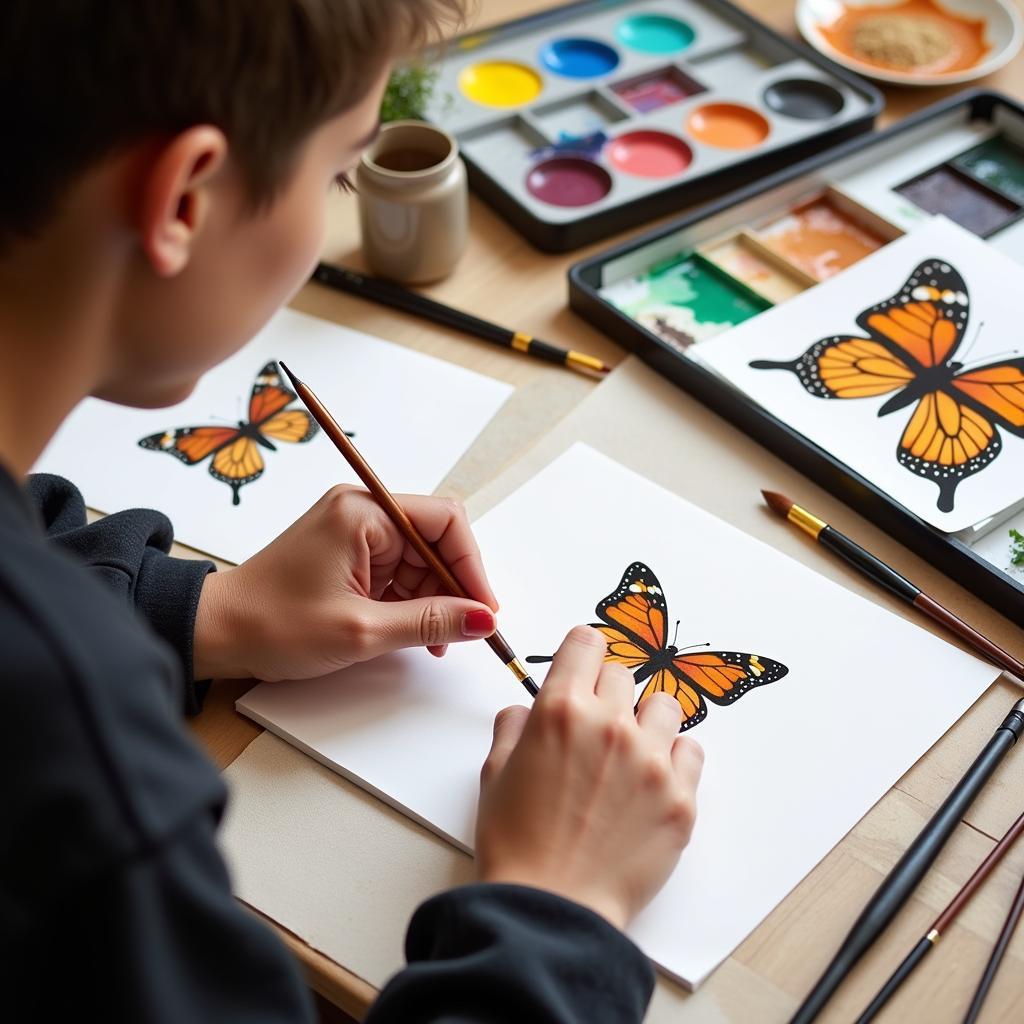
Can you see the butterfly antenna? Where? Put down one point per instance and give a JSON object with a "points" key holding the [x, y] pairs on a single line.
{"points": [[675, 635], [997, 355], [973, 342], [690, 647]]}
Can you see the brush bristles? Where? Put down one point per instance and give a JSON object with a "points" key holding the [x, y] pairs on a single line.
{"points": [[778, 503]]}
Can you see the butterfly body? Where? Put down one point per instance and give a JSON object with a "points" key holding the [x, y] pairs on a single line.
{"points": [[634, 622], [236, 459], [909, 353]]}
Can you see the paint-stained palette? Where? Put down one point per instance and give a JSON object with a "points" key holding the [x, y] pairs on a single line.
{"points": [[963, 159], [590, 118]]}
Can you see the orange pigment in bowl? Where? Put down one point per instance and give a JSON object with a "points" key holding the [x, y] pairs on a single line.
{"points": [[916, 37]]}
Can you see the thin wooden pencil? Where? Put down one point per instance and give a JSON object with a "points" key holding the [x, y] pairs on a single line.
{"points": [[1009, 926], [396, 514], [942, 922]]}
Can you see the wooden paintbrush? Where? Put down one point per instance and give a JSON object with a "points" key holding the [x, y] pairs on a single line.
{"points": [[944, 920], [895, 890], [387, 293], [875, 569], [396, 514], [988, 976]]}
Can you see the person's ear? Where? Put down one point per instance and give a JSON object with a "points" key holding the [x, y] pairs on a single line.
{"points": [[176, 196]]}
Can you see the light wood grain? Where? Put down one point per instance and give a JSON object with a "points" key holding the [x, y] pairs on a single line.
{"points": [[504, 279]]}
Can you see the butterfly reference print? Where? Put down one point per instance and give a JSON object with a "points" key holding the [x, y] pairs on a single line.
{"points": [[913, 337], [634, 621], [236, 450]]}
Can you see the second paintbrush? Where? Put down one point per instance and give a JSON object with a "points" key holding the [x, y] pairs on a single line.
{"points": [[387, 293]]}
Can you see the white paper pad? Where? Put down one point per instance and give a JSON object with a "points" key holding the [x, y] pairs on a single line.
{"points": [[791, 767], [413, 415]]}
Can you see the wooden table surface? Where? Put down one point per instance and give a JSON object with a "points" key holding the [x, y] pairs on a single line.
{"points": [[503, 278]]}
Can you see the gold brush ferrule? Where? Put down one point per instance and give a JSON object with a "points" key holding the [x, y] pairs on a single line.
{"points": [[521, 341], [581, 361], [933, 936], [808, 523], [517, 669]]}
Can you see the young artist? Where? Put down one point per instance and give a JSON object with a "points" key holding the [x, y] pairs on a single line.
{"points": [[166, 169]]}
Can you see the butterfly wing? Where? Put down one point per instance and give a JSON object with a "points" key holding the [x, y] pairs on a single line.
{"points": [[190, 444], [721, 676], [997, 390], [295, 425], [634, 625], [924, 322], [677, 686], [946, 441], [237, 464], [919, 327], [634, 614], [846, 367], [269, 394]]}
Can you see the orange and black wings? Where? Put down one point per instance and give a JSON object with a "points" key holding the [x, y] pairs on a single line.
{"points": [[634, 617], [721, 676], [190, 444], [946, 441], [918, 328], [634, 621], [996, 391], [236, 450]]}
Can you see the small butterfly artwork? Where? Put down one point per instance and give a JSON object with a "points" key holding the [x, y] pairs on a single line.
{"points": [[236, 458], [634, 621], [913, 337]]}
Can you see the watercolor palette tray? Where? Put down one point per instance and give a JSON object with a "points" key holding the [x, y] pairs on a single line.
{"points": [[593, 117], [665, 294]]}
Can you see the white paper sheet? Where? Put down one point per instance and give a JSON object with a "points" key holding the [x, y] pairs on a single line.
{"points": [[413, 416], [853, 430], [790, 768]]}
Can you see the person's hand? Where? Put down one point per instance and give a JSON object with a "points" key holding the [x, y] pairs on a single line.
{"points": [[341, 585], [582, 798]]}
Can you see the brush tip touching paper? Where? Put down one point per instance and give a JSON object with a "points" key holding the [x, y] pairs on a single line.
{"points": [[291, 376]]}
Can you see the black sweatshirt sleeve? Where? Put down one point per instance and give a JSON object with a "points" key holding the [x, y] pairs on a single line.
{"points": [[128, 551], [165, 942], [506, 954]]}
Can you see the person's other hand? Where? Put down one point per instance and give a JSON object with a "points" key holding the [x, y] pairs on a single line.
{"points": [[339, 586], [580, 796]]}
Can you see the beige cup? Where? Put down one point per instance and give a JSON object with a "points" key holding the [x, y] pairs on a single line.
{"points": [[413, 205]]}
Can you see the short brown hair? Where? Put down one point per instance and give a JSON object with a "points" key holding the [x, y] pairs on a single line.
{"points": [[80, 78]]}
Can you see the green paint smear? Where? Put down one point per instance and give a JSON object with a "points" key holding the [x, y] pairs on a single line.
{"points": [[999, 163], [693, 298]]}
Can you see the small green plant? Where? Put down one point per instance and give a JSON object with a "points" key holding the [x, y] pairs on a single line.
{"points": [[408, 92], [1017, 547]]}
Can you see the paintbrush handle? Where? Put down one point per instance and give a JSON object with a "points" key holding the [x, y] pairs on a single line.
{"points": [[978, 641], [938, 928], [916, 955], [397, 515], [874, 568], [912, 866], [387, 293], [1009, 926]]}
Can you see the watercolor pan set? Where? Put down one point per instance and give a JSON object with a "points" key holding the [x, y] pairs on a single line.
{"points": [[665, 293], [596, 116]]}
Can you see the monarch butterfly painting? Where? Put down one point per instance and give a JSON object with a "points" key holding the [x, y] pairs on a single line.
{"points": [[634, 621], [909, 353], [236, 450]]}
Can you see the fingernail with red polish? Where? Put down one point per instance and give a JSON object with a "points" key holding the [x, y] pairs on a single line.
{"points": [[478, 623]]}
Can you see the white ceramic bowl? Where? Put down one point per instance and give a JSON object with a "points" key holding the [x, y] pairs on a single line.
{"points": [[1004, 33]]}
